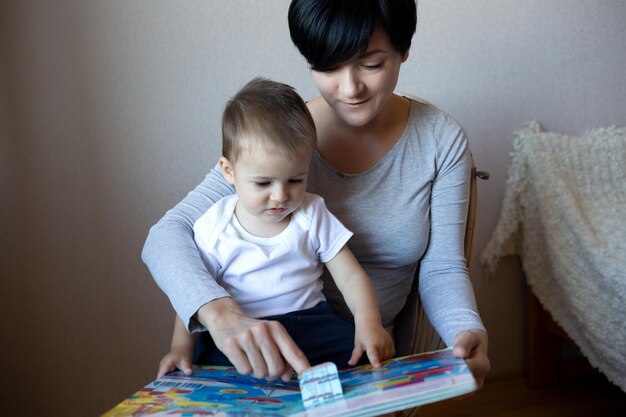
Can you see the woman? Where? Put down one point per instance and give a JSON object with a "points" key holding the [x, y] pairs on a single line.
{"points": [[393, 170]]}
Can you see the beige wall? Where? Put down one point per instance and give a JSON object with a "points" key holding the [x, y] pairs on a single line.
{"points": [[109, 114]]}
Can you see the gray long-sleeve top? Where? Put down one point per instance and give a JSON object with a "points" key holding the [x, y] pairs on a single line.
{"points": [[406, 212]]}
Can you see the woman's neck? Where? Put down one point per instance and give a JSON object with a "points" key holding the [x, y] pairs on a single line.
{"points": [[356, 149]]}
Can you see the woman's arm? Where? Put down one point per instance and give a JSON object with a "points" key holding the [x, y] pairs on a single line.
{"points": [[444, 283], [173, 258]]}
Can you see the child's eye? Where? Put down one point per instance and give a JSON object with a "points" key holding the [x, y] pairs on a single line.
{"points": [[262, 184], [296, 181]]}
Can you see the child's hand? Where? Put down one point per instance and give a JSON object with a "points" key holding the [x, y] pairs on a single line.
{"points": [[373, 339], [176, 359]]}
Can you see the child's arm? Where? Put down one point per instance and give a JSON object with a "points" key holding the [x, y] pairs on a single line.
{"points": [[181, 350], [357, 290]]}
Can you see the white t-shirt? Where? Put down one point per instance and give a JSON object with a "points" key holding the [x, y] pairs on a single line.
{"points": [[274, 275]]}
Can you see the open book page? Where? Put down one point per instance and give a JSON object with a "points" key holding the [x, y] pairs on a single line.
{"points": [[221, 391]]}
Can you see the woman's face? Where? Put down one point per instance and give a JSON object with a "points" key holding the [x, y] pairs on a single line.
{"points": [[359, 88]]}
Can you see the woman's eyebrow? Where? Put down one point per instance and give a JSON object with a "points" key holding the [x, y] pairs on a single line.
{"points": [[367, 54]]}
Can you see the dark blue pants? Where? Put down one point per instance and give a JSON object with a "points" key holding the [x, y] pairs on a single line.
{"points": [[319, 332]]}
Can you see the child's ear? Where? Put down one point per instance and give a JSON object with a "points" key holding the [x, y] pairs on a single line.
{"points": [[227, 170]]}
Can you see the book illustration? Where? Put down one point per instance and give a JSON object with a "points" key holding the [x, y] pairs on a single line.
{"points": [[221, 391]]}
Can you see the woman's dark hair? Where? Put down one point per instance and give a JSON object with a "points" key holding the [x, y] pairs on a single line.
{"points": [[328, 32]]}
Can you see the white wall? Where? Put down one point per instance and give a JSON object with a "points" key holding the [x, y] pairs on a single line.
{"points": [[109, 114]]}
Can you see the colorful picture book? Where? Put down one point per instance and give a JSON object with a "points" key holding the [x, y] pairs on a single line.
{"points": [[400, 383]]}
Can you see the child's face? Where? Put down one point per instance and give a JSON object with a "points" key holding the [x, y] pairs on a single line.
{"points": [[270, 185]]}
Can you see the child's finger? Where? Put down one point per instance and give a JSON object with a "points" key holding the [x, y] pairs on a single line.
{"points": [[165, 367], [357, 352], [372, 355], [185, 366]]}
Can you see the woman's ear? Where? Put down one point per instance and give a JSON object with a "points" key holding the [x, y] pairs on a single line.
{"points": [[405, 56], [227, 170]]}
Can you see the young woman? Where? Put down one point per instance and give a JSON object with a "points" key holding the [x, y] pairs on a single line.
{"points": [[393, 170]]}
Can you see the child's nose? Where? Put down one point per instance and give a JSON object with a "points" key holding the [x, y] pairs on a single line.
{"points": [[279, 193]]}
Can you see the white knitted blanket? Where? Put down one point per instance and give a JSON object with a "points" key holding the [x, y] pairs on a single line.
{"points": [[564, 214]]}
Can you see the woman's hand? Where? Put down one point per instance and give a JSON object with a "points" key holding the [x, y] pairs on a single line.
{"points": [[471, 345], [375, 341], [259, 347]]}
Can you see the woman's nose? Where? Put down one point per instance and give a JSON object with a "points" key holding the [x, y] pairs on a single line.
{"points": [[349, 83]]}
